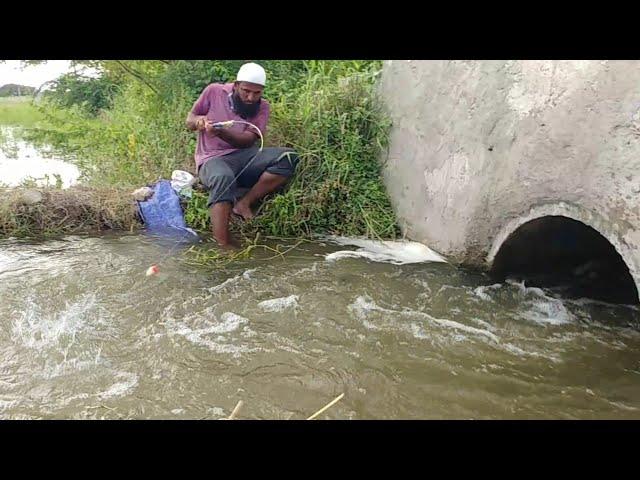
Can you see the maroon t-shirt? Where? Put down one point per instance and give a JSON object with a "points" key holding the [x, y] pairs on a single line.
{"points": [[215, 103]]}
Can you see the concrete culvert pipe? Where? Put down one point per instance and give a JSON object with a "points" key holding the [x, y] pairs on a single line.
{"points": [[566, 255], [478, 149]]}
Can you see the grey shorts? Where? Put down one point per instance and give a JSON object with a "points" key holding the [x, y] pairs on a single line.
{"points": [[219, 174]]}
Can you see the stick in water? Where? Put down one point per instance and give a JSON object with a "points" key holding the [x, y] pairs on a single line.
{"points": [[335, 400], [235, 410]]}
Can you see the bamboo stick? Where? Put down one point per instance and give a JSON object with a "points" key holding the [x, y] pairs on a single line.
{"points": [[335, 400], [235, 410]]}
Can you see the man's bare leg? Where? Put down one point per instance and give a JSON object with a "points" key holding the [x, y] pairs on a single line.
{"points": [[220, 224], [267, 183]]}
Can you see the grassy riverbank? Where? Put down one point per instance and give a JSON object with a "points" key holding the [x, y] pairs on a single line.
{"points": [[127, 129]]}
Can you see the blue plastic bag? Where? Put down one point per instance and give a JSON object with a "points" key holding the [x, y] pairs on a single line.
{"points": [[162, 213]]}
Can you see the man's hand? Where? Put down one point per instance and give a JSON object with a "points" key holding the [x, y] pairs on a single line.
{"points": [[200, 123], [196, 122], [208, 126]]}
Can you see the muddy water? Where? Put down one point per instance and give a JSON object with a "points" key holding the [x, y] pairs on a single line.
{"points": [[84, 334]]}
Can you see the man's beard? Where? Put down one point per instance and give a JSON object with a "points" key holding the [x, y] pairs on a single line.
{"points": [[245, 110]]}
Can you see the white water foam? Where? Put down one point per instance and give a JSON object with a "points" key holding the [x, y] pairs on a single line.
{"points": [[6, 404], [540, 307], [279, 304], [482, 323], [217, 411], [230, 322], [481, 291], [418, 332], [519, 352], [546, 310], [397, 252], [465, 328], [312, 269], [247, 273], [363, 306], [36, 329], [6, 261], [128, 382], [226, 283], [622, 406]]}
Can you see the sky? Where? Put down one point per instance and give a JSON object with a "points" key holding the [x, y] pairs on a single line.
{"points": [[33, 76]]}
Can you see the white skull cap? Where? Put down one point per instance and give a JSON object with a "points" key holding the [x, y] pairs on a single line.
{"points": [[253, 73]]}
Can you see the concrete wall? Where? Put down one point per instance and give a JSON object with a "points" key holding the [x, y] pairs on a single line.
{"points": [[480, 147]]}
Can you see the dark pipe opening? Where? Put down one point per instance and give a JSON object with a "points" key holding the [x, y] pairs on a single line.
{"points": [[567, 256]]}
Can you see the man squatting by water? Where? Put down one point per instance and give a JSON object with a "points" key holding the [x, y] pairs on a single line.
{"points": [[222, 154]]}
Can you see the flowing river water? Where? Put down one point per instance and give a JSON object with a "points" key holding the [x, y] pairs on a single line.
{"points": [[85, 334]]}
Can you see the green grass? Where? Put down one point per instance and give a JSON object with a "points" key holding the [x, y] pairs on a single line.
{"points": [[22, 99], [19, 111]]}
